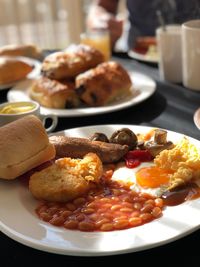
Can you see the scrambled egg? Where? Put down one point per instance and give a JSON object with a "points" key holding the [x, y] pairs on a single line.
{"points": [[183, 160]]}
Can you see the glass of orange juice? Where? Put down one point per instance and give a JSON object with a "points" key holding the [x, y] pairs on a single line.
{"points": [[100, 39]]}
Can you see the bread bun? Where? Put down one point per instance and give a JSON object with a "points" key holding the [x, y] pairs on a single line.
{"points": [[24, 145], [13, 69], [27, 50]]}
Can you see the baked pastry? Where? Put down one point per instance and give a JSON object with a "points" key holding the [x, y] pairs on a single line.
{"points": [[54, 94], [24, 145], [69, 63], [13, 69], [66, 179], [26, 50], [103, 84]]}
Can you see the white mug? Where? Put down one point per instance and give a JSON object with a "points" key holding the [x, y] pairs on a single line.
{"points": [[191, 54], [170, 54], [11, 111]]}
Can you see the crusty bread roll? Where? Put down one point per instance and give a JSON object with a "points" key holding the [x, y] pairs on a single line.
{"points": [[13, 69], [24, 145], [26, 50]]}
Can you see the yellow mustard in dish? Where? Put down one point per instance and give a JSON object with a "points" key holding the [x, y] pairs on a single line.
{"points": [[17, 108]]}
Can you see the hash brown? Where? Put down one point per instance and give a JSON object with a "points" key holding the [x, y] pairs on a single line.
{"points": [[66, 179]]}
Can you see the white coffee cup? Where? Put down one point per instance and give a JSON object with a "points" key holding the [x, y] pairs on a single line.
{"points": [[170, 54], [11, 111], [191, 54]]}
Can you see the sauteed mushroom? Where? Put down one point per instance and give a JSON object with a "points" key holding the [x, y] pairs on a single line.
{"points": [[160, 143], [155, 148], [124, 136], [160, 136], [99, 137]]}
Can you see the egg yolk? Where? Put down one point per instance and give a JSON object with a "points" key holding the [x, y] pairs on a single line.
{"points": [[152, 177]]}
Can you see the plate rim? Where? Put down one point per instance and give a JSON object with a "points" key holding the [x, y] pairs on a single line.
{"points": [[145, 93], [80, 252]]}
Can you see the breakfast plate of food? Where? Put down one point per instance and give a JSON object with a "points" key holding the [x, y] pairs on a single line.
{"points": [[16, 69], [145, 50], [112, 189], [143, 87]]}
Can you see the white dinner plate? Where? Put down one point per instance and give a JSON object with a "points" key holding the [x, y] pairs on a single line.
{"points": [[32, 75], [143, 88], [19, 221], [144, 57]]}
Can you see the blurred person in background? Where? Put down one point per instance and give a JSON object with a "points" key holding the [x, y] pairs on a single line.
{"points": [[144, 16]]}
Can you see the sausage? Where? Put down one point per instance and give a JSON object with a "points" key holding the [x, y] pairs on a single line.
{"points": [[75, 147]]}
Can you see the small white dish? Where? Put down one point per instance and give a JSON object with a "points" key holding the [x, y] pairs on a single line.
{"points": [[11, 111]]}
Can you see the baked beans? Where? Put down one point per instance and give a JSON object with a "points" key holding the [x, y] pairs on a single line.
{"points": [[107, 207]]}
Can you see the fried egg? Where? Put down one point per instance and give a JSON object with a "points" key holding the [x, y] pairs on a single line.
{"points": [[146, 178]]}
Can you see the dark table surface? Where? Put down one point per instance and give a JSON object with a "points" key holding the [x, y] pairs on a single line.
{"points": [[171, 107]]}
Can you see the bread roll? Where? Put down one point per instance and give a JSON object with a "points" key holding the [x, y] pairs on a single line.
{"points": [[24, 145], [13, 69], [27, 50]]}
